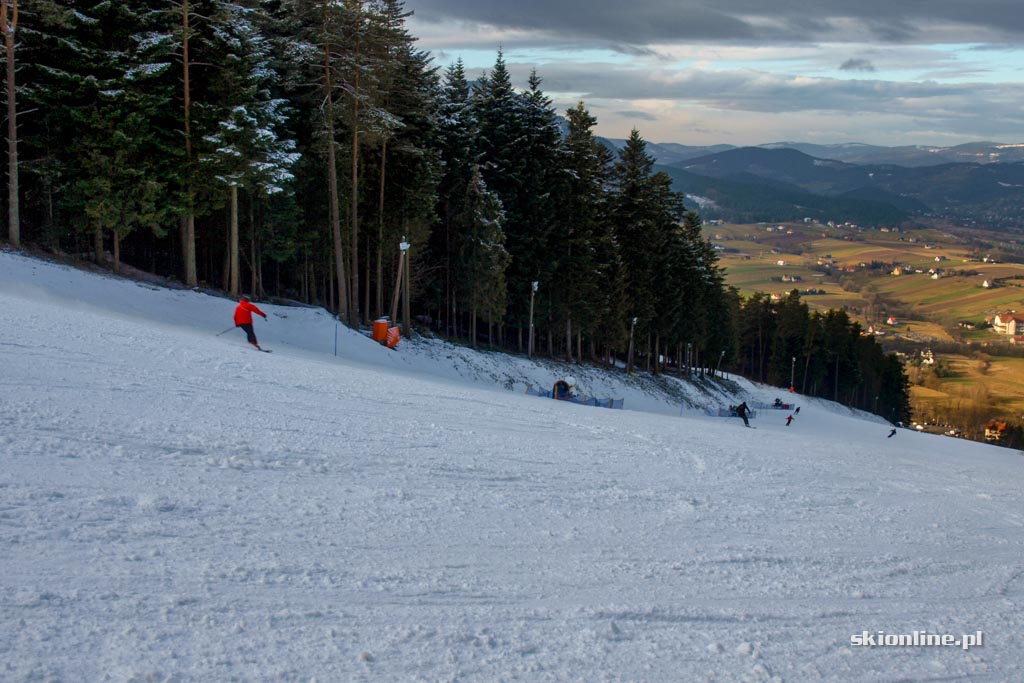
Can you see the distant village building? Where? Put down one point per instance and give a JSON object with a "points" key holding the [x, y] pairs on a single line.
{"points": [[891, 320], [986, 284], [780, 263], [927, 357], [936, 275], [1008, 323], [898, 270]]}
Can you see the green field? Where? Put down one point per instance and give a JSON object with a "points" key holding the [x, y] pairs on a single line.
{"points": [[931, 308], [753, 254]]}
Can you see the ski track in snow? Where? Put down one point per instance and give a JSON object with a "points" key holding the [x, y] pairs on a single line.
{"points": [[174, 506]]}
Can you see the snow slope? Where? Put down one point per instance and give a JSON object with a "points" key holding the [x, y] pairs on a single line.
{"points": [[175, 506]]}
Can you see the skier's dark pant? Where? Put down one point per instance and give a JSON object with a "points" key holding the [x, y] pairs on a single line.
{"points": [[249, 333]]}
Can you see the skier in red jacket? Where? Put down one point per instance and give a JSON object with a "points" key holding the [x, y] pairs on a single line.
{"points": [[243, 319]]}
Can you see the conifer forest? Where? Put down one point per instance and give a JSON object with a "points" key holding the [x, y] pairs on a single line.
{"points": [[288, 149]]}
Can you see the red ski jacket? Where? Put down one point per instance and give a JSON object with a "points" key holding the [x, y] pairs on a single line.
{"points": [[244, 311]]}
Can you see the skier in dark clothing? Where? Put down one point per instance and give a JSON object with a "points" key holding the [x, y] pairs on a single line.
{"points": [[243, 319], [788, 420], [797, 411], [742, 411], [892, 433]]}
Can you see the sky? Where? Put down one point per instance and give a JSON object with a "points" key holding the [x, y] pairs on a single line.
{"points": [[743, 72]]}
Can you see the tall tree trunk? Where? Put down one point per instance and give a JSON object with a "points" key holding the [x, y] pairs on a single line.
{"points": [[366, 281], [407, 291], [332, 181], [354, 200], [235, 280], [380, 231], [97, 242], [657, 352], [568, 338], [117, 253], [10, 25], [472, 327], [551, 335], [254, 278], [188, 225]]}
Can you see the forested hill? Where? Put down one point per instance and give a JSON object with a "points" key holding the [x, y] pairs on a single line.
{"points": [[293, 148], [757, 183]]}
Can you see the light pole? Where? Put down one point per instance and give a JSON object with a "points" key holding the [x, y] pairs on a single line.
{"points": [[533, 291], [792, 374], [403, 247], [719, 366], [629, 356]]}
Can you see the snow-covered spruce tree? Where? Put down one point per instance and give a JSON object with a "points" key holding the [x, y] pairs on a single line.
{"points": [[645, 212], [584, 243], [243, 147], [456, 143], [484, 258], [9, 26], [316, 39], [98, 78], [543, 190], [399, 161], [519, 159]]}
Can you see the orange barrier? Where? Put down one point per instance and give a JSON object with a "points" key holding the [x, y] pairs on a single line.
{"points": [[393, 335], [380, 330]]}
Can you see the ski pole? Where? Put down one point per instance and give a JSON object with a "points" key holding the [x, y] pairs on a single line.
{"points": [[225, 331]]}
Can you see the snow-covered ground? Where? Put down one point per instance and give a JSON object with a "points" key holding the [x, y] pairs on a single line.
{"points": [[176, 506]]}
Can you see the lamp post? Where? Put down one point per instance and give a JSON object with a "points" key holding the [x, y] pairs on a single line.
{"points": [[533, 291], [403, 247], [629, 356], [719, 366], [792, 374]]}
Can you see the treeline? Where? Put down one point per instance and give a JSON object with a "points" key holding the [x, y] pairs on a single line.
{"points": [[287, 148], [820, 354]]}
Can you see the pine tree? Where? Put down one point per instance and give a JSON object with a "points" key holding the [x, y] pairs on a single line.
{"points": [[484, 256], [456, 142], [646, 212], [9, 26], [587, 253], [243, 148]]}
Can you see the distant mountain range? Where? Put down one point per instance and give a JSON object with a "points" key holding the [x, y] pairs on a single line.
{"points": [[783, 182], [853, 152]]}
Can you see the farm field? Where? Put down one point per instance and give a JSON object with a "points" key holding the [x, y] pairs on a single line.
{"points": [[927, 310], [757, 260], [995, 381]]}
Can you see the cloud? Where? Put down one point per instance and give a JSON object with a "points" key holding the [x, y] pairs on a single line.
{"points": [[636, 114], [879, 107], [857, 65], [642, 22]]}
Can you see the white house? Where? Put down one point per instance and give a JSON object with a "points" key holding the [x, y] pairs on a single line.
{"points": [[1008, 323]]}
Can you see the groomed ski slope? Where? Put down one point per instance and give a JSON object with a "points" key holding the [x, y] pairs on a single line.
{"points": [[175, 506]]}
